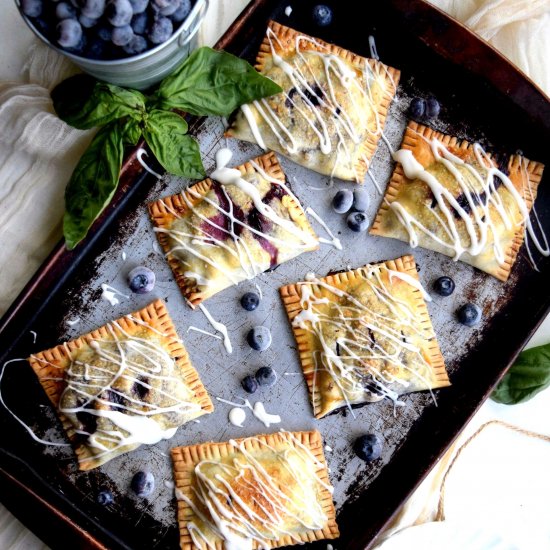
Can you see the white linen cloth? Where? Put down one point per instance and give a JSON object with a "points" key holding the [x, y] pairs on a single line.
{"points": [[38, 153]]}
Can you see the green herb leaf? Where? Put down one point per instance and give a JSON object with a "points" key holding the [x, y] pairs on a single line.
{"points": [[93, 183], [179, 154], [211, 82], [131, 131], [529, 375], [84, 102]]}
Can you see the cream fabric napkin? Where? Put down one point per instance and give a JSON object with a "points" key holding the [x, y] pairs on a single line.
{"points": [[38, 153]]}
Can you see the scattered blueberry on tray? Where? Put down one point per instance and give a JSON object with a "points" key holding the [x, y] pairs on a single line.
{"points": [[143, 484], [424, 108], [432, 108], [469, 315], [360, 199], [250, 301], [249, 384], [266, 376], [141, 280], [106, 29], [105, 498], [368, 447], [259, 338], [342, 201], [444, 286], [357, 222], [417, 107], [322, 15]]}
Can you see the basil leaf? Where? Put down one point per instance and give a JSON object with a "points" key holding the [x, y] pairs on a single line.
{"points": [[529, 375], [93, 183], [179, 154], [84, 102], [211, 82], [131, 131]]}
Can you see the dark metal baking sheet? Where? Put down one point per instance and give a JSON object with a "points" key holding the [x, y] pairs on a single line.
{"points": [[483, 98]]}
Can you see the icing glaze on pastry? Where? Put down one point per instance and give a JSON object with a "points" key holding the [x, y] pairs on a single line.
{"points": [[220, 327]]}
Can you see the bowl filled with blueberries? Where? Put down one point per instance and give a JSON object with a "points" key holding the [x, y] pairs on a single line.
{"points": [[132, 43]]}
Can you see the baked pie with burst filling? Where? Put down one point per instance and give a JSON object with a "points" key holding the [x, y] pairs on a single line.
{"points": [[218, 233], [364, 335], [127, 383], [453, 197], [332, 110], [265, 491]]}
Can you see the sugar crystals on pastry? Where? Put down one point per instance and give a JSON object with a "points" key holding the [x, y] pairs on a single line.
{"points": [[332, 110]]}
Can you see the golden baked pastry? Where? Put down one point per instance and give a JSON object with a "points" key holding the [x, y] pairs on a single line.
{"points": [[332, 110], [215, 235], [127, 383], [451, 196], [364, 335], [260, 492]]}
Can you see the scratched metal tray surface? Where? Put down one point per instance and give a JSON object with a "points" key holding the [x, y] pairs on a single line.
{"points": [[66, 301]]}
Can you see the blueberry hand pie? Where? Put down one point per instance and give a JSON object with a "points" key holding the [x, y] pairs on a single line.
{"points": [[332, 110], [364, 335], [127, 383], [218, 233], [265, 491], [453, 197]]}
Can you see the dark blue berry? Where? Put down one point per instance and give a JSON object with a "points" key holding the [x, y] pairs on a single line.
{"points": [[87, 22], [161, 30], [63, 10], [119, 12], [137, 45], [170, 7], [249, 384], [32, 8], [432, 108], [322, 15], [417, 108], [259, 338], [444, 286], [96, 48], [139, 6], [140, 22], [182, 12], [357, 221], [141, 280], [143, 484], [69, 33], [469, 315], [105, 498], [342, 201], [121, 36], [93, 9], [360, 199], [266, 376], [104, 32], [368, 447], [250, 301]]}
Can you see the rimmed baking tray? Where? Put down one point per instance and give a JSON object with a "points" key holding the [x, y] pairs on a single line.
{"points": [[483, 98]]}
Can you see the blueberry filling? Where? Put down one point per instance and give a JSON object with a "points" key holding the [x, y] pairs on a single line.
{"points": [[140, 388]]}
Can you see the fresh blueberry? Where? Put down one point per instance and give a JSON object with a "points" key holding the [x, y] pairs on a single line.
{"points": [[360, 199], [32, 8], [121, 36], [141, 280], [139, 6], [417, 108], [249, 384], [161, 30], [322, 15], [105, 498], [80, 47], [119, 12], [96, 48], [259, 338], [342, 201], [143, 484], [171, 6], [182, 12], [63, 10], [87, 22], [137, 45], [104, 32], [444, 286], [469, 315], [140, 22], [69, 33], [250, 301], [357, 221], [44, 27], [93, 9], [266, 376], [368, 447], [432, 108]]}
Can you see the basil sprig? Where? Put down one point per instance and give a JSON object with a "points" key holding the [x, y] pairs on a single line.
{"points": [[529, 375], [208, 82]]}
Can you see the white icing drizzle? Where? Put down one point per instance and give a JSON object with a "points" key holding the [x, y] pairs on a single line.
{"points": [[73, 322], [258, 410], [365, 351], [260, 294], [334, 241], [34, 335], [288, 11], [220, 327], [140, 154], [123, 256], [257, 522], [196, 329], [415, 283], [110, 294], [328, 449], [169, 484], [237, 416], [481, 208], [372, 48]]}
